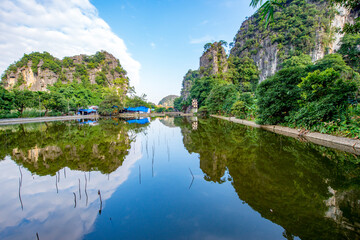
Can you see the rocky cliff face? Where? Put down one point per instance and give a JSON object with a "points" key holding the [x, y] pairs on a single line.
{"points": [[214, 60], [37, 71], [187, 83], [302, 26]]}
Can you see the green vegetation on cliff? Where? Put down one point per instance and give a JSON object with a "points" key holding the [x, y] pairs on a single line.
{"points": [[268, 7], [72, 90], [294, 30]]}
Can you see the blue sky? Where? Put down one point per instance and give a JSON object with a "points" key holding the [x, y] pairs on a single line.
{"points": [[155, 41], [167, 37]]}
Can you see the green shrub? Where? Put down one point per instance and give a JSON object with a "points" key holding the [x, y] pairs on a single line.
{"points": [[279, 95], [324, 97], [203, 111], [221, 99], [244, 107], [350, 50]]}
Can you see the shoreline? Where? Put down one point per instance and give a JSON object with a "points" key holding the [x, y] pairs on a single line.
{"points": [[12, 121], [340, 143]]}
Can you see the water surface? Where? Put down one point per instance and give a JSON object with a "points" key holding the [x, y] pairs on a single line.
{"points": [[172, 179]]}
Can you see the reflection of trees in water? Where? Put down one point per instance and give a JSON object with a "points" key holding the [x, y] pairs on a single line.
{"points": [[46, 148], [285, 180]]}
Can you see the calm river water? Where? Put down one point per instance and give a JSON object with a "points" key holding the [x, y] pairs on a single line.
{"points": [[172, 179]]}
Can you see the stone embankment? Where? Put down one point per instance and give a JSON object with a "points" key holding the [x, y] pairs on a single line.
{"points": [[65, 118], [44, 119], [341, 143], [170, 114]]}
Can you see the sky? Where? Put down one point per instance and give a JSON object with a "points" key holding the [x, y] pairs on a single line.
{"points": [[156, 41]]}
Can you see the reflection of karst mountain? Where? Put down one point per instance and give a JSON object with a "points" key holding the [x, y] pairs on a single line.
{"points": [[46, 148], [48, 201], [344, 209], [167, 121], [286, 181]]}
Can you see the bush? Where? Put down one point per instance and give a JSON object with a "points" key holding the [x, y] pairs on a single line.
{"points": [[324, 97], [203, 111], [244, 107], [106, 106], [279, 95], [8, 114], [221, 98]]}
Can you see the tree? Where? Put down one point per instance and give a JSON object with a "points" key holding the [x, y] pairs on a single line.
{"points": [[207, 46], [6, 100], [278, 95], [177, 103], [137, 101], [106, 107], [201, 89], [324, 97], [303, 60], [53, 101], [23, 99], [243, 73], [223, 43], [350, 50], [221, 98], [336, 62]]}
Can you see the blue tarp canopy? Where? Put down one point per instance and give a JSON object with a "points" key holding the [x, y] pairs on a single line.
{"points": [[137, 109], [87, 110], [139, 121]]}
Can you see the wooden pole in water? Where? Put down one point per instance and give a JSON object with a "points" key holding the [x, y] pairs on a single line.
{"points": [[57, 190], [20, 183], [100, 201], [74, 199], [79, 190], [85, 189], [192, 178], [37, 236]]}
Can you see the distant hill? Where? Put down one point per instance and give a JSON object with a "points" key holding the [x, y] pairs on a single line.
{"points": [[168, 101]]}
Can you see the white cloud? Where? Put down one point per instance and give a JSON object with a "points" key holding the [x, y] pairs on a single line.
{"points": [[204, 39], [62, 28]]}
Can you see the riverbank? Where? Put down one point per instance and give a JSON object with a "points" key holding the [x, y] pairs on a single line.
{"points": [[171, 114], [45, 119], [341, 143], [74, 117]]}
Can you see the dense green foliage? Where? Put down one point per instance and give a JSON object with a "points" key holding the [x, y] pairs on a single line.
{"points": [[137, 101], [267, 9], [243, 73], [293, 30], [320, 96], [350, 50], [278, 95], [221, 98]]}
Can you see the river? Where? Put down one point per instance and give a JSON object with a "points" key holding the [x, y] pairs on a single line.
{"points": [[172, 178]]}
